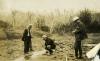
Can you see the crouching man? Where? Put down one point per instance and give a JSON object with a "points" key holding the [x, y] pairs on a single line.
{"points": [[49, 44]]}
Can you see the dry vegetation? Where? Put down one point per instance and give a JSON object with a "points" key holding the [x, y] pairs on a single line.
{"points": [[57, 25]]}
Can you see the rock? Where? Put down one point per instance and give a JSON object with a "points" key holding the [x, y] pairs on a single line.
{"points": [[0, 55]]}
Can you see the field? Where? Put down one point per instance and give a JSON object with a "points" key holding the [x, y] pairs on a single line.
{"points": [[13, 49], [57, 25]]}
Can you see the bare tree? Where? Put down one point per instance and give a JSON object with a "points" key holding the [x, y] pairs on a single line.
{"points": [[13, 17], [29, 15]]}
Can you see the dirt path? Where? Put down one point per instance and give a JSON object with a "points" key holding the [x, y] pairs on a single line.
{"points": [[31, 56], [13, 50], [37, 56]]}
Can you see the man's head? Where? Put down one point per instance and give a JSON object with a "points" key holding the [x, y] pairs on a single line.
{"points": [[29, 26], [44, 37]]}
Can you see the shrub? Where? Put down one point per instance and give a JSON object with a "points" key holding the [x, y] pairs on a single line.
{"points": [[40, 24], [61, 28], [4, 24], [85, 16]]}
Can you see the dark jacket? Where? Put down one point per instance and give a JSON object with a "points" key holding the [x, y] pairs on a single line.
{"points": [[80, 32], [25, 36], [49, 41]]}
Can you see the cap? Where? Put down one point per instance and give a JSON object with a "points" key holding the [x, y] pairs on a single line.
{"points": [[44, 36]]}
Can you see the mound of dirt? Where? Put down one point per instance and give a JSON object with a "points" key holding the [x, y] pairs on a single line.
{"points": [[2, 34]]}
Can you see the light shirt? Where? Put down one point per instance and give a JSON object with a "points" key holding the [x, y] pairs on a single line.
{"points": [[29, 32]]}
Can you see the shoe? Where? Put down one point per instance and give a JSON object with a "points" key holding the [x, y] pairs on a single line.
{"points": [[26, 53], [80, 57], [31, 50], [76, 57], [47, 52]]}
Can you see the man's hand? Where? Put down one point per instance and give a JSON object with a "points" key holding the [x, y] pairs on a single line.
{"points": [[74, 31]]}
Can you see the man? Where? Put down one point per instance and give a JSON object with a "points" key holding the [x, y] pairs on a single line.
{"points": [[49, 44], [80, 34], [27, 39]]}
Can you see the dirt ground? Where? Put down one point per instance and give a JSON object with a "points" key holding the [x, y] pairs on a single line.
{"points": [[13, 49]]}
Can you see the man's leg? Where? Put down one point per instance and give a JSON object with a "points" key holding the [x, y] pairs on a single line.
{"points": [[76, 49], [76, 52], [30, 45], [25, 50], [46, 49], [26, 47], [50, 51], [80, 52]]}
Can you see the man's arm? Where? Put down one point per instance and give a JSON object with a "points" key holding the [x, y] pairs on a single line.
{"points": [[23, 37]]}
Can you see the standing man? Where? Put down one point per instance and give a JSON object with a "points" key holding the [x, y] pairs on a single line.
{"points": [[80, 34], [27, 39], [49, 44]]}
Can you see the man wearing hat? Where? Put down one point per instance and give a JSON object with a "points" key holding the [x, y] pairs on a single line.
{"points": [[80, 34], [49, 44], [27, 39]]}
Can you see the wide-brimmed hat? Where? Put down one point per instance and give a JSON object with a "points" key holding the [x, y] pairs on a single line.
{"points": [[75, 18]]}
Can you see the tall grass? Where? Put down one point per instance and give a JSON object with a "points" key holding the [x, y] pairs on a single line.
{"points": [[52, 22], [91, 20]]}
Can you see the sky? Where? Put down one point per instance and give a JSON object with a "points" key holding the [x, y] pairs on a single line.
{"points": [[49, 5]]}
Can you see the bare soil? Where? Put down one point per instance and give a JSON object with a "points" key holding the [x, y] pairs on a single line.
{"points": [[13, 49]]}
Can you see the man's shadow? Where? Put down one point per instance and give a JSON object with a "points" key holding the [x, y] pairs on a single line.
{"points": [[27, 57]]}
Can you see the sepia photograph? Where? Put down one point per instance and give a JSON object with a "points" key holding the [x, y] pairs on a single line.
{"points": [[49, 30]]}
